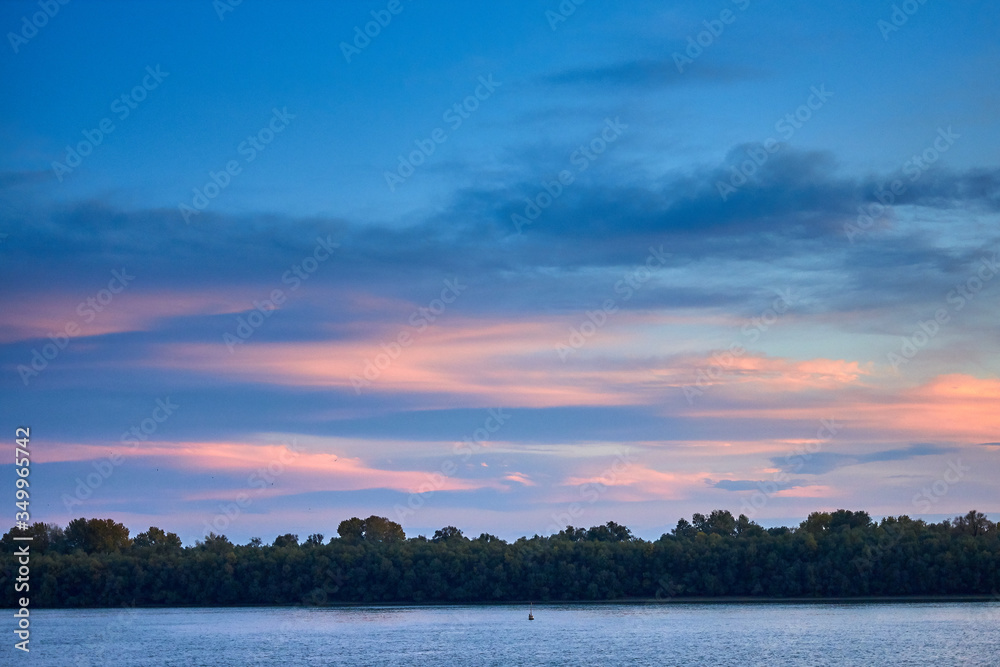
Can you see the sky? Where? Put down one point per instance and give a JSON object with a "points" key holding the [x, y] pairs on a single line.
{"points": [[507, 267]]}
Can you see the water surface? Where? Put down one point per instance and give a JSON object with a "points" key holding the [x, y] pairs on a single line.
{"points": [[634, 634]]}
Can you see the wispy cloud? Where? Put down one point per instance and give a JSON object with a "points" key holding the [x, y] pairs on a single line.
{"points": [[650, 73], [824, 462]]}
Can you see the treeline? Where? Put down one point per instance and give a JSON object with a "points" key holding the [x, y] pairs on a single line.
{"points": [[840, 554]]}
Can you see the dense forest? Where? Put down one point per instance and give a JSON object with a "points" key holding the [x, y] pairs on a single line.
{"points": [[95, 563]]}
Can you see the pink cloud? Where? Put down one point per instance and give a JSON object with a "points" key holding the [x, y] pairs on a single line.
{"points": [[39, 315], [477, 362], [953, 407], [811, 491], [764, 373], [305, 470], [521, 478], [640, 482]]}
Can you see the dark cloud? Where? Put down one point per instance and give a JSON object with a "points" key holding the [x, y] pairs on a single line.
{"points": [[11, 179], [942, 188], [789, 217], [755, 485], [824, 462]]}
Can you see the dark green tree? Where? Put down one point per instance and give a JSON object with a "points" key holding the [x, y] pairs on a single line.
{"points": [[380, 529], [849, 519], [155, 538], [286, 540], [718, 522], [838, 554], [351, 530], [609, 532], [96, 535], [744, 526], [215, 543], [974, 523], [816, 522], [447, 533], [684, 529], [572, 534], [45, 537]]}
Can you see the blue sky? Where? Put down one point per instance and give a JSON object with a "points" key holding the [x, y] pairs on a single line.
{"points": [[652, 256]]}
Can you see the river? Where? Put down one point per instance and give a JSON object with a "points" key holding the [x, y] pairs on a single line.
{"points": [[932, 633]]}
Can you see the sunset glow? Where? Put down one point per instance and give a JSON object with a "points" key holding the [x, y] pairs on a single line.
{"points": [[637, 288]]}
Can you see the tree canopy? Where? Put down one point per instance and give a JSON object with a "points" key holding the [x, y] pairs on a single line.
{"points": [[372, 529], [93, 562]]}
